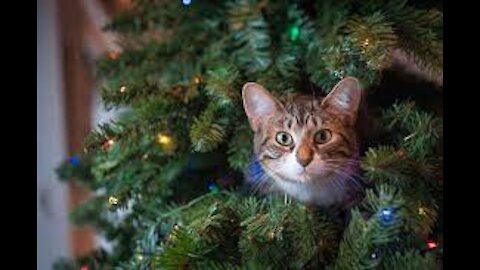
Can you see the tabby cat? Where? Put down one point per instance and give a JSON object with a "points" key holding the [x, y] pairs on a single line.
{"points": [[304, 146]]}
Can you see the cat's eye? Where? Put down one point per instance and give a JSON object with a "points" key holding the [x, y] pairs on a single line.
{"points": [[323, 136], [283, 138]]}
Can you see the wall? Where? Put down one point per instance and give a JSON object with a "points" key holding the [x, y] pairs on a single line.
{"points": [[52, 203]]}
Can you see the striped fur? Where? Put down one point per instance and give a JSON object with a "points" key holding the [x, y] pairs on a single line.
{"points": [[315, 173]]}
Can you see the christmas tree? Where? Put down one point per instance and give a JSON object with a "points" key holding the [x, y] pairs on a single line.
{"points": [[173, 162]]}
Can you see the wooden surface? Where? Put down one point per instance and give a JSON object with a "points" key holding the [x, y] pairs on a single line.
{"points": [[78, 94]]}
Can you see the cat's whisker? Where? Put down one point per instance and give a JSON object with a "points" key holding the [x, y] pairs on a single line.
{"points": [[348, 176]]}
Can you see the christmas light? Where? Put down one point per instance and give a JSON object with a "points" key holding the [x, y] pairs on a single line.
{"points": [[294, 33], [421, 211], [114, 55], [386, 215], [140, 257], [74, 160], [108, 144], [123, 89], [84, 267], [431, 244], [366, 42], [112, 200], [338, 73], [271, 235], [186, 2], [373, 256], [213, 187], [164, 139], [166, 142], [197, 80]]}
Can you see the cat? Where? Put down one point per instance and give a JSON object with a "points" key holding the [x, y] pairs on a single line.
{"points": [[305, 146]]}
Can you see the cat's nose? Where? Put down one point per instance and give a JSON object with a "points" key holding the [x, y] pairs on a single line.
{"points": [[304, 156], [304, 162]]}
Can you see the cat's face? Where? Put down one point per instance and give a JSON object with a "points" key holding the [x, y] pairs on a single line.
{"points": [[304, 142]]}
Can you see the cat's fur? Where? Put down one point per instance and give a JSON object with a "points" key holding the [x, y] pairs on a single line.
{"points": [[324, 174]]}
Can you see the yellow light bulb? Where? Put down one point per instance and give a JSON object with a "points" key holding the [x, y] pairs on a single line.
{"points": [[114, 55], [164, 139], [271, 235], [112, 200], [197, 80], [123, 89]]}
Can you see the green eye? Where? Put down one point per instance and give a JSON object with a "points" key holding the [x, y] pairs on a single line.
{"points": [[283, 138], [323, 136]]}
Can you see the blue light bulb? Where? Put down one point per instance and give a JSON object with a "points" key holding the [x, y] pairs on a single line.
{"points": [[186, 2], [386, 215], [74, 160]]}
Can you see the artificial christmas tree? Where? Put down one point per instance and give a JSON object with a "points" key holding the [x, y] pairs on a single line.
{"points": [[174, 162]]}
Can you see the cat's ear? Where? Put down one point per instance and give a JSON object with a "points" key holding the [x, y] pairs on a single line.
{"points": [[344, 99], [259, 104]]}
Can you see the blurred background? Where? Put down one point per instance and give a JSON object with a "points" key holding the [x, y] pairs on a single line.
{"points": [[69, 41]]}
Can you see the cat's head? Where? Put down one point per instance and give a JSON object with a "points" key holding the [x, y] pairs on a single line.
{"points": [[303, 141]]}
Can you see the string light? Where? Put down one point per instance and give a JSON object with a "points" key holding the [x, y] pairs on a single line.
{"points": [[84, 267], [213, 187], [421, 211], [112, 200], [164, 139], [431, 244], [294, 32], [166, 142], [140, 257], [74, 160], [366, 42], [186, 2], [401, 153], [197, 80], [338, 73], [271, 235], [108, 144], [114, 55], [123, 89], [386, 215]]}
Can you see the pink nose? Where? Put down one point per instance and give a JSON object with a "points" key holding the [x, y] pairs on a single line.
{"points": [[304, 158]]}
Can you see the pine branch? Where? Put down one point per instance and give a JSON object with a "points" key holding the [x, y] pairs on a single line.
{"points": [[410, 260], [205, 133], [183, 249], [374, 37], [221, 87], [419, 132], [420, 33], [240, 147], [384, 163], [363, 238], [250, 36]]}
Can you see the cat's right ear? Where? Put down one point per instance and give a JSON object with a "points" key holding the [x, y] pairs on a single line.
{"points": [[259, 104]]}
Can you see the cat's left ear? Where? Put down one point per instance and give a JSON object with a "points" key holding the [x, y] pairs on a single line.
{"points": [[344, 99]]}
